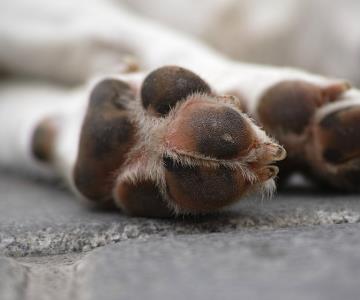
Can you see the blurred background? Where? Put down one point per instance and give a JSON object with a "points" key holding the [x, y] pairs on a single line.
{"points": [[318, 35]]}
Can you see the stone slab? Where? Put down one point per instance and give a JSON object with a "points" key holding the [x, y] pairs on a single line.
{"points": [[41, 219], [322, 262]]}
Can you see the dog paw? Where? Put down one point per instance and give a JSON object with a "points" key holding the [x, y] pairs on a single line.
{"points": [[319, 127], [169, 144]]}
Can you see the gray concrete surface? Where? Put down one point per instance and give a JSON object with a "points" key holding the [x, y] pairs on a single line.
{"points": [[303, 263], [12, 280], [303, 244]]}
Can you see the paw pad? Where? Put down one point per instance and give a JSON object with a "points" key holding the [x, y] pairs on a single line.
{"points": [[164, 87], [213, 130], [340, 135], [289, 106], [106, 137], [200, 188]]}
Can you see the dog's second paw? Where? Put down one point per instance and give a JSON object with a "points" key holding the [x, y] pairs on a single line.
{"points": [[319, 126]]}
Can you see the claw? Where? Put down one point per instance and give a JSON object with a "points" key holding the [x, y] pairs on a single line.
{"points": [[274, 152], [267, 173], [281, 154]]}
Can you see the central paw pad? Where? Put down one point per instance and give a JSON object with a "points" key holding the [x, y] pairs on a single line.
{"points": [[210, 129]]}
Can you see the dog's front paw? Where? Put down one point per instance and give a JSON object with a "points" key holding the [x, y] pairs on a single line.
{"points": [[169, 144]]}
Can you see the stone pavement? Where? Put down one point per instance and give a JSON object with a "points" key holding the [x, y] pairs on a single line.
{"points": [[303, 244]]}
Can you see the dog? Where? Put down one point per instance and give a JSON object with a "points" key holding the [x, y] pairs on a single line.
{"points": [[158, 123]]}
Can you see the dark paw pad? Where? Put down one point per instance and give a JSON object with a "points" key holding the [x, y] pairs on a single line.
{"points": [[288, 106], [210, 129], [164, 87], [43, 141], [111, 94], [141, 199], [202, 189], [339, 135], [106, 137]]}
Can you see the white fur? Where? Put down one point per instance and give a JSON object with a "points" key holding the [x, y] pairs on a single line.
{"points": [[317, 35], [22, 107]]}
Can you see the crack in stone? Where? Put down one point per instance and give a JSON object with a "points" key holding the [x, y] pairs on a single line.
{"points": [[50, 277]]}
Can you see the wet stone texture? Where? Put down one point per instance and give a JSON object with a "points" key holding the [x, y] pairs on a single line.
{"points": [[302, 244]]}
